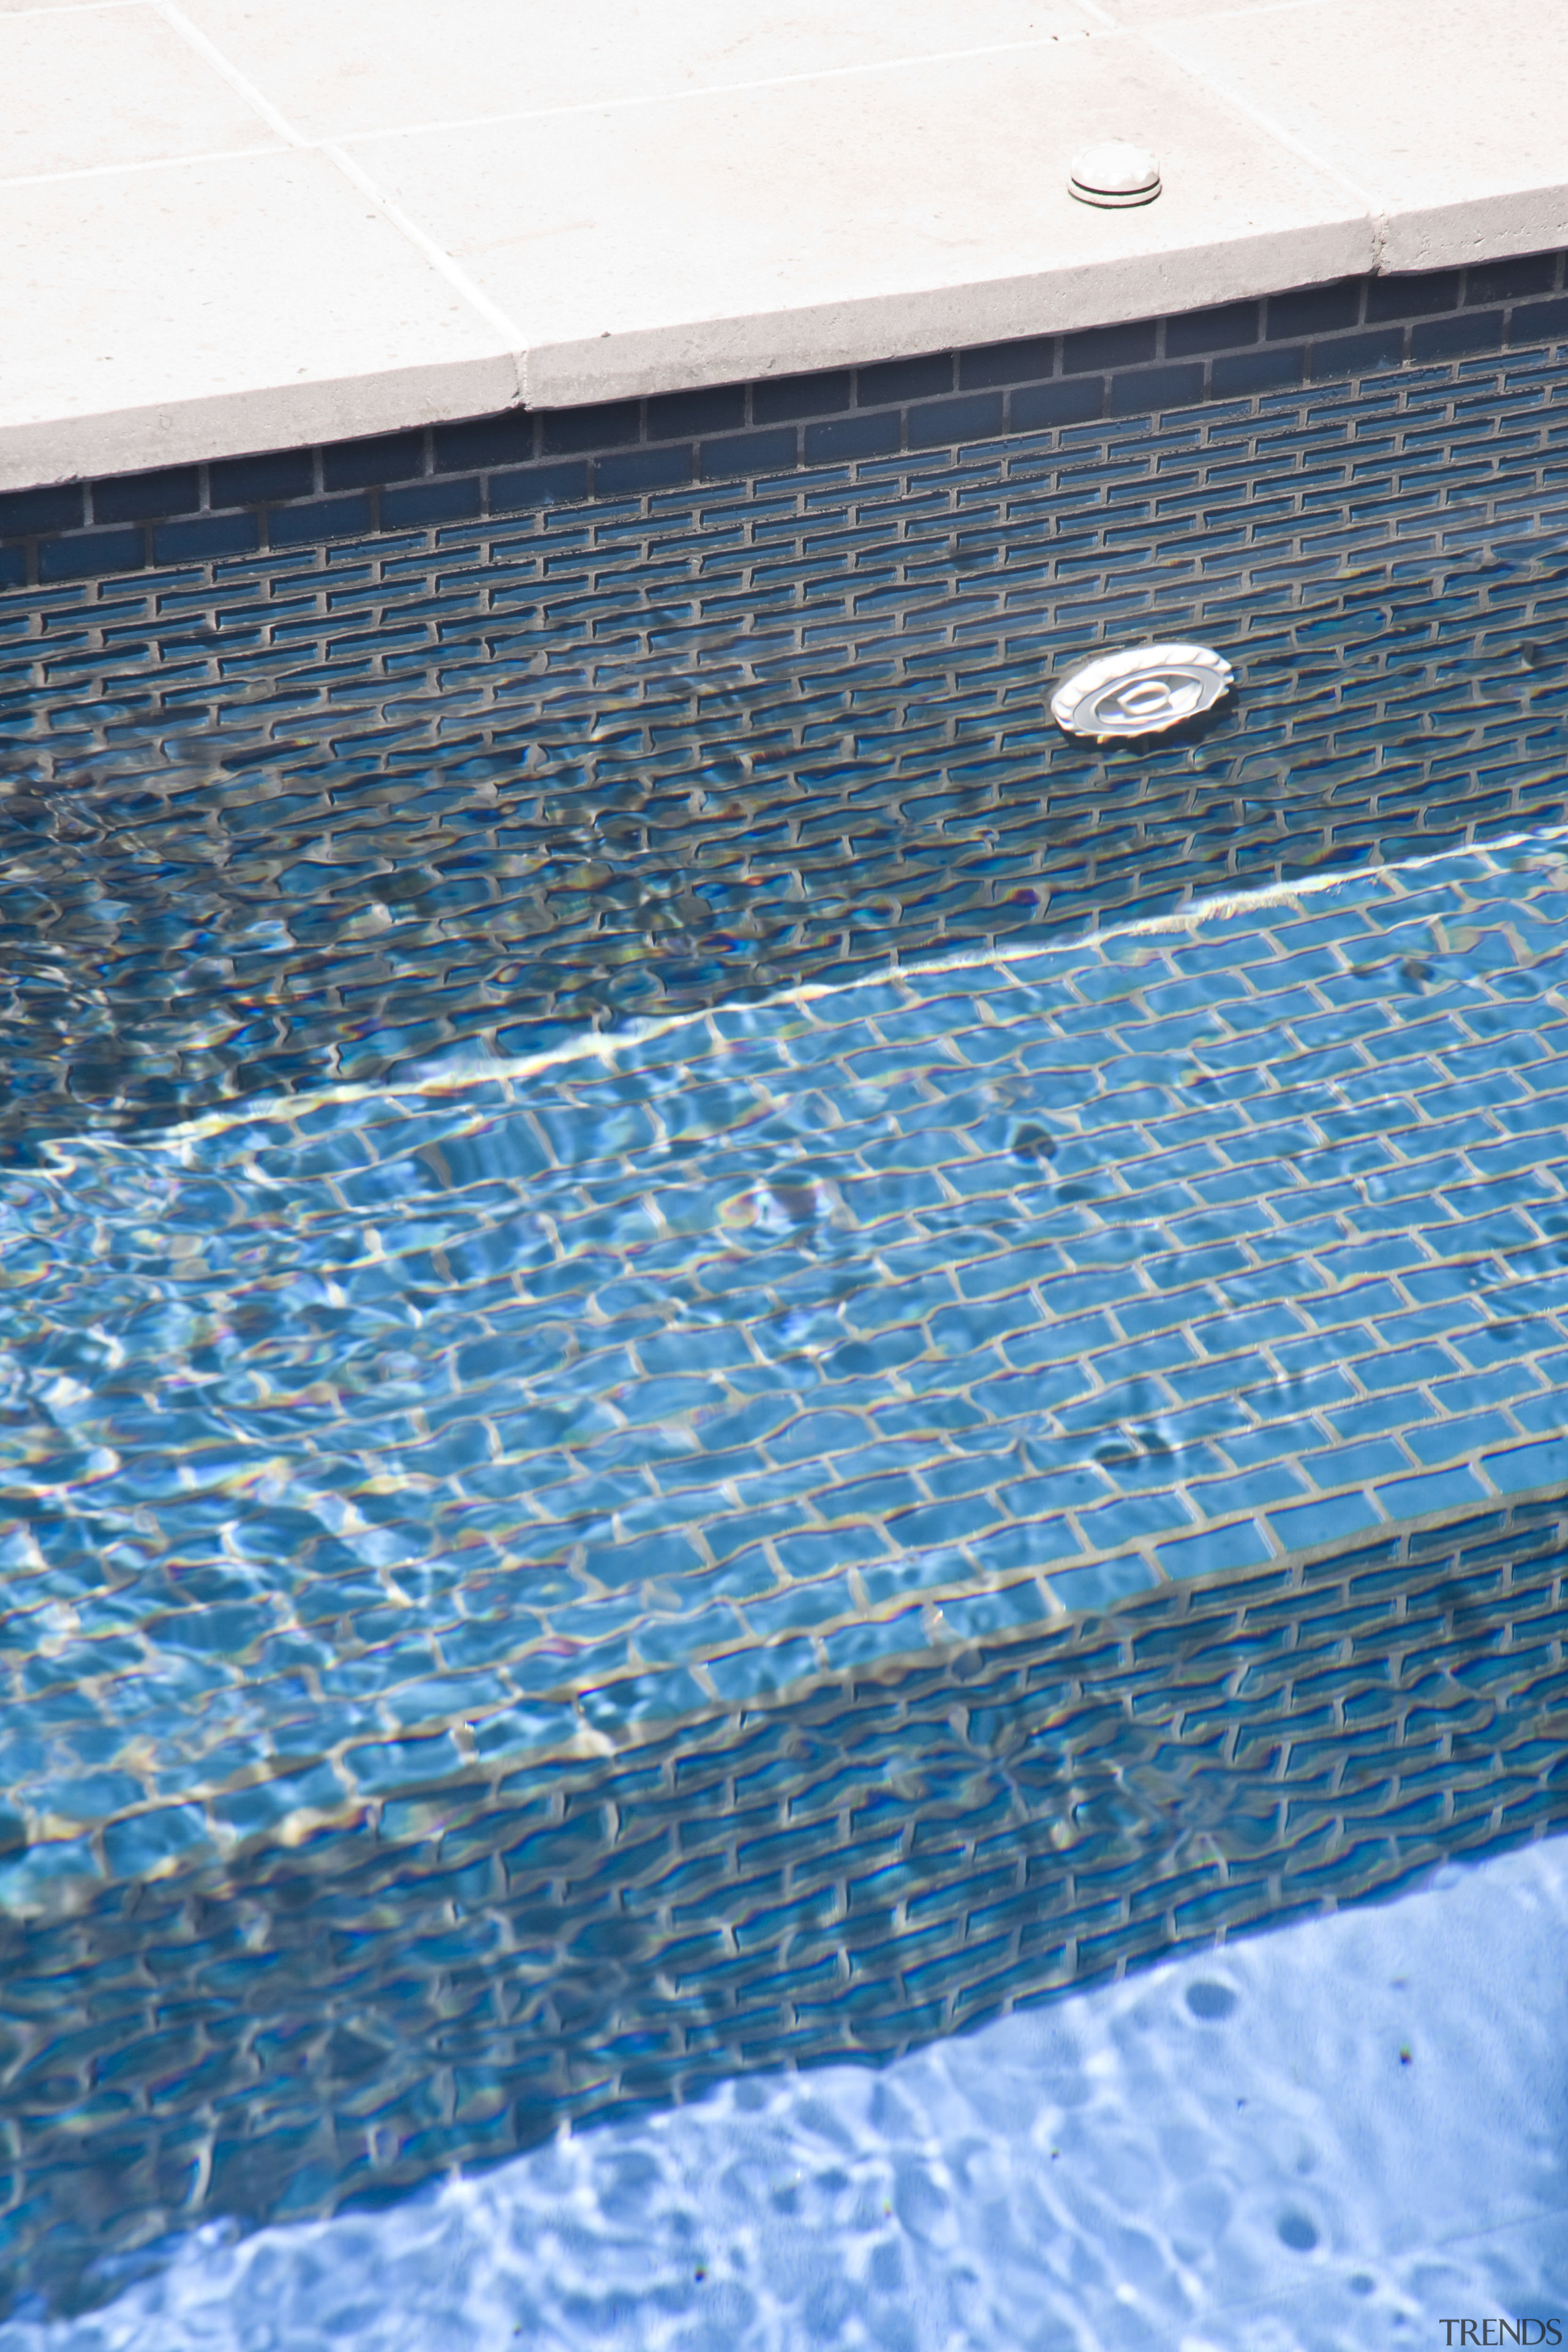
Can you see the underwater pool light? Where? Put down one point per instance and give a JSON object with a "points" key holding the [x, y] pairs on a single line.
{"points": [[1140, 692]]}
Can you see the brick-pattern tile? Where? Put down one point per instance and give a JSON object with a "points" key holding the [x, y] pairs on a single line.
{"points": [[1008, 1480], [1329, 335], [851, 1873]]}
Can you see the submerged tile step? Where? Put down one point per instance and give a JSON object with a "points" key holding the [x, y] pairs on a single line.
{"points": [[458, 1973], [355, 1439]]}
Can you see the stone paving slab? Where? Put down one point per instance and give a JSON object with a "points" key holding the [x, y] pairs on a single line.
{"points": [[360, 1437], [303, 223]]}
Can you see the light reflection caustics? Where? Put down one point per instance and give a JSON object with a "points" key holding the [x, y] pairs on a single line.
{"points": [[376, 1434]]}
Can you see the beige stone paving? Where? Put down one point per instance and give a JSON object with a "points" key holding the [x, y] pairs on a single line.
{"points": [[226, 226]]}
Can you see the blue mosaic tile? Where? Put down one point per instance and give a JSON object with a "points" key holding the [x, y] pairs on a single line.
{"points": [[584, 1163], [714, 1415]]}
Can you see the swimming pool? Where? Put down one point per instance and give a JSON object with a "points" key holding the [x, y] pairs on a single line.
{"points": [[718, 1358]]}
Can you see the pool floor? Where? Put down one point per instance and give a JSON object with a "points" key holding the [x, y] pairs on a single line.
{"points": [[1279, 2145]]}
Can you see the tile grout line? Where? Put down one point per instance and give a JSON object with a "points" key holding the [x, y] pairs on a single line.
{"points": [[1376, 206], [141, 164], [425, 246], [436, 255], [716, 90], [194, 38]]}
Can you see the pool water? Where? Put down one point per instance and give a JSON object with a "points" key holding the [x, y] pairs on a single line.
{"points": [[350, 812], [717, 1361], [394, 1468], [379, 1434], [1337, 2135]]}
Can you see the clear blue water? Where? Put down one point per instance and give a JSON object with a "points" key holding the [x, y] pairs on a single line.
{"points": [[381, 1460], [336, 814], [1333, 2136], [713, 1359], [366, 1437]]}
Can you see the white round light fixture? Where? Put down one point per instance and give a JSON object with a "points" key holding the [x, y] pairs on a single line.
{"points": [[1140, 692], [1115, 174]]}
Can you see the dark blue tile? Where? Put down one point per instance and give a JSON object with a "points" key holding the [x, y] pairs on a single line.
{"points": [[1316, 310], [480, 442], [970, 416], [1136, 390], [643, 470], [412, 503], [1261, 370], [139, 497], [1338, 357], [1025, 361], [87, 553], [318, 519], [1070, 400], [63, 508], [200, 536], [246, 481], [1467, 331], [749, 453], [779, 400], [1098, 349], [899, 379], [1414, 296], [1511, 281], [875, 434], [1220, 328], [1539, 322], [603, 425], [687, 415], [365, 465], [522, 487]]}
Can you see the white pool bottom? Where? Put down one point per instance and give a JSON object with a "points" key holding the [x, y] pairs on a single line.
{"points": [[1372, 2139]]}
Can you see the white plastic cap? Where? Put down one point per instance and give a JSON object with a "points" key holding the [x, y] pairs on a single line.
{"points": [[1115, 174]]}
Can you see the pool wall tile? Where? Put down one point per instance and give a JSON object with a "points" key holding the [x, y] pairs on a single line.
{"points": [[847, 1871], [1170, 1539], [1164, 370]]}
